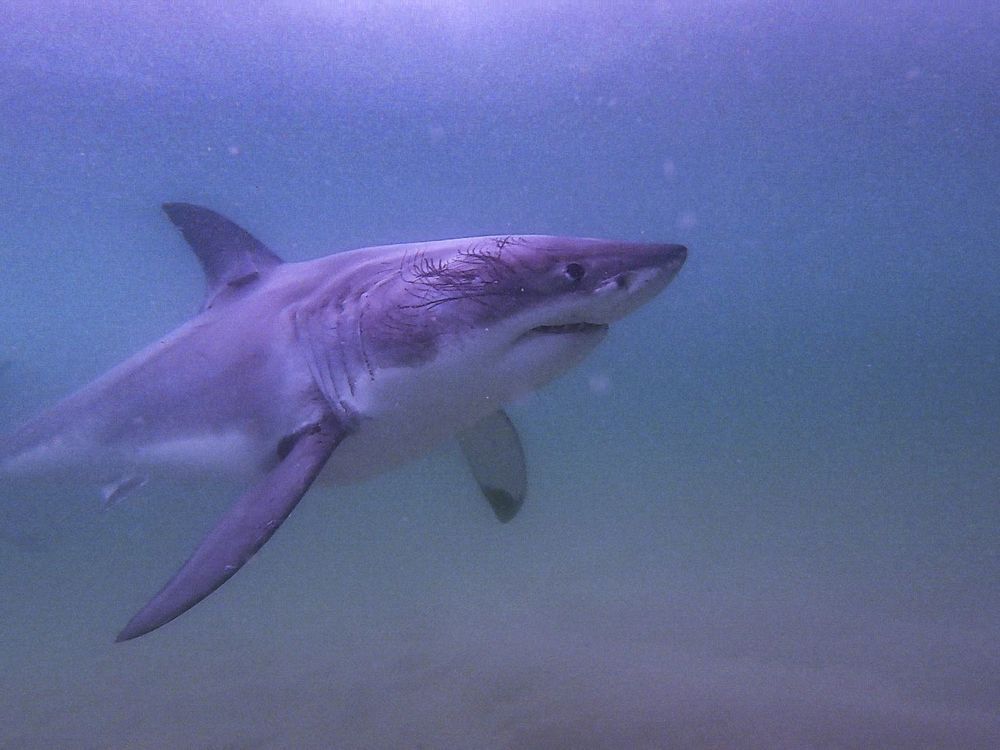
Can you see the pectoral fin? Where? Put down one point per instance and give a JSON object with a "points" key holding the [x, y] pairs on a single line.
{"points": [[243, 530], [494, 452]]}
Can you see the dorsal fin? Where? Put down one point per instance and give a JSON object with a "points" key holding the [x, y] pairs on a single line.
{"points": [[230, 256]]}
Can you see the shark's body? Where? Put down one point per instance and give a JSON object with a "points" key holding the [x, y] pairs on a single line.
{"points": [[336, 369], [220, 393]]}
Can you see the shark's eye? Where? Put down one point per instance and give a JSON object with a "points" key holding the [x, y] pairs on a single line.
{"points": [[575, 271]]}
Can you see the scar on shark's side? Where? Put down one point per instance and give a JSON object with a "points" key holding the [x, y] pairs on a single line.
{"points": [[334, 370]]}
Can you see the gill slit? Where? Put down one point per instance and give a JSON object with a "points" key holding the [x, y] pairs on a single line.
{"points": [[318, 366], [339, 347], [387, 277]]}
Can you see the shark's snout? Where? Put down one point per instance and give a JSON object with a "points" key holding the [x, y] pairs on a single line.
{"points": [[674, 255], [638, 262], [672, 258], [664, 261], [632, 274], [666, 256]]}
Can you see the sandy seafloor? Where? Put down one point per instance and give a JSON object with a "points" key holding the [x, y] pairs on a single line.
{"points": [[764, 514]]}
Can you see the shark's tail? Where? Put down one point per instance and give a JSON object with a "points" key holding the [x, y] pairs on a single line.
{"points": [[43, 443], [15, 446]]}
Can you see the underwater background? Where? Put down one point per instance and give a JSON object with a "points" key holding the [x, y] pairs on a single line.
{"points": [[763, 514]]}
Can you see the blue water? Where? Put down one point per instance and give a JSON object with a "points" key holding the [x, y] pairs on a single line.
{"points": [[764, 514]]}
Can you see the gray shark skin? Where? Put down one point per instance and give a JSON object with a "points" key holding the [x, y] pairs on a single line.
{"points": [[334, 370]]}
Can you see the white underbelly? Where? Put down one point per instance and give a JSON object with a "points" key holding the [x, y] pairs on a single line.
{"points": [[405, 415]]}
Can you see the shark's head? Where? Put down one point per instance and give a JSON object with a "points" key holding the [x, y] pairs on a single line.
{"points": [[523, 309]]}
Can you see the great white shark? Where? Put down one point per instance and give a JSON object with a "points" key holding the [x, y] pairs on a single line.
{"points": [[336, 369]]}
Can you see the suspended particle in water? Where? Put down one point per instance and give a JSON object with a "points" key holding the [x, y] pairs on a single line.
{"points": [[599, 383], [687, 220]]}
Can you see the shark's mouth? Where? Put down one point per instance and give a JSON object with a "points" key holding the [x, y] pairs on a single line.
{"points": [[571, 328]]}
